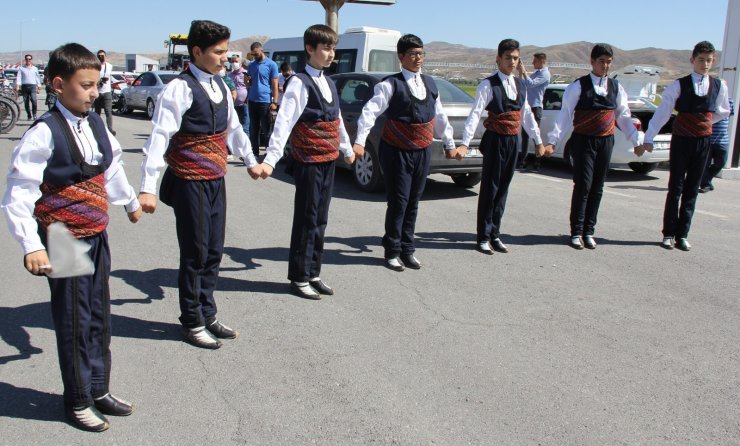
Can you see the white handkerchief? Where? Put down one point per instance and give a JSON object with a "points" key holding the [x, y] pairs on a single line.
{"points": [[67, 255]]}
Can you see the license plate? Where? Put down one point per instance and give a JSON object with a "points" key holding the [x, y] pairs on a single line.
{"points": [[472, 152], [661, 145]]}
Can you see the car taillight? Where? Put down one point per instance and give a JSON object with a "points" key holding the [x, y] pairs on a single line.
{"points": [[636, 122]]}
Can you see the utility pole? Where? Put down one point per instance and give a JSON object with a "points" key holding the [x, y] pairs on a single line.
{"points": [[332, 9]]}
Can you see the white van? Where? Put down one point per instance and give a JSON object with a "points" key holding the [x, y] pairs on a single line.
{"points": [[360, 49]]}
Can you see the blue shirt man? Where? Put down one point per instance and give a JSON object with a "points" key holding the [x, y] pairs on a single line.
{"points": [[536, 84], [263, 96]]}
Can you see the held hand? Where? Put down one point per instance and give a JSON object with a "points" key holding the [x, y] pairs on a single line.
{"points": [[256, 171], [451, 154], [148, 202], [648, 147], [37, 262], [462, 150], [266, 170], [133, 217], [639, 150], [350, 159], [540, 150], [359, 150], [549, 150]]}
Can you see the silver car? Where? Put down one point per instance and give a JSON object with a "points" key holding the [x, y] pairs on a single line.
{"points": [[355, 89], [144, 91]]}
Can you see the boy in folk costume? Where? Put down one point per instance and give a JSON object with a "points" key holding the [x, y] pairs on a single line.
{"points": [[505, 98], [194, 125], [701, 100], [66, 169], [414, 115], [309, 116], [595, 105]]}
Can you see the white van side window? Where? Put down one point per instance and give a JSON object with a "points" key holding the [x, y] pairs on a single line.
{"points": [[386, 61]]}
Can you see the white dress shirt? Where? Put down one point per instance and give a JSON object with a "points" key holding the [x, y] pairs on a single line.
{"points": [[671, 94], [26, 173], [105, 70], [381, 99], [484, 96], [28, 76], [622, 114], [173, 102], [295, 98]]}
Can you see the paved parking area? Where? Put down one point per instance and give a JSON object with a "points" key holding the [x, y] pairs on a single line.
{"points": [[627, 344]]}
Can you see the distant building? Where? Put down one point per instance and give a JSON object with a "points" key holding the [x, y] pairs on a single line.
{"points": [[139, 63]]}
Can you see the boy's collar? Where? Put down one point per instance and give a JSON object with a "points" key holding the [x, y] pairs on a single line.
{"points": [[313, 71], [199, 72], [69, 115], [409, 72]]}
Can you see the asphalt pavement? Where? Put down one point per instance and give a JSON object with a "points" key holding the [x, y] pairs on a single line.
{"points": [[626, 344]]}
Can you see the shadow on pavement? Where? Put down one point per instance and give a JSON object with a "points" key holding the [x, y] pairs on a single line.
{"points": [[30, 404]]}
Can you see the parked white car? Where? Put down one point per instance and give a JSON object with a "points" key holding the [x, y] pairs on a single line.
{"points": [[143, 93], [622, 155]]}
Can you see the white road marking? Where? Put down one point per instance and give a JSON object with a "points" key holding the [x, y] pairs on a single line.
{"points": [[543, 177], [712, 214], [618, 194]]}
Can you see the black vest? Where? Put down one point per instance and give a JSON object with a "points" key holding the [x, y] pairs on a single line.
{"points": [[689, 102], [500, 102], [317, 107], [204, 117], [404, 107], [589, 100], [67, 165]]}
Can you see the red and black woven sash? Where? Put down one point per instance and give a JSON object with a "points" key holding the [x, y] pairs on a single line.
{"points": [[408, 136], [594, 122], [315, 142], [197, 157], [82, 207], [697, 125], [508, 123]]}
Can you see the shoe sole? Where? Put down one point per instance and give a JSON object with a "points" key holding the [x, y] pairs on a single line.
{"points": [[305, 296], [196, 344], [484, 251], [576, 247]]}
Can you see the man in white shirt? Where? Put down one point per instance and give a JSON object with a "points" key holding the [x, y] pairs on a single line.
{"points": [[28, 84], [105, 98]]}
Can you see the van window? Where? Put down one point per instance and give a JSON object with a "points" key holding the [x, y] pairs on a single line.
{"points": [[344, 62], [383, 61], [296, 59]]}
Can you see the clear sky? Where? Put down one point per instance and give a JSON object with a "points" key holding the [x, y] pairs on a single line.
{"points": [[129, 26]]}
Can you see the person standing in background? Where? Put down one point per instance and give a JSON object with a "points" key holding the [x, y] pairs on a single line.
{"points": [[238, 75], [536, 84], [263, 96], [27, 84], [105, 97]]}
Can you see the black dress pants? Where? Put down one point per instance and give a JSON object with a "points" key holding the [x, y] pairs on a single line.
{"points": [[259, 125], [688, 158], [499, 164], [591, 156]]}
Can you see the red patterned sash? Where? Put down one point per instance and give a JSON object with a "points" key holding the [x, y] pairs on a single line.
{"points": [[507, 123], [82, 207], [197, 157], [696, 125], [315, 142], [408, 136], [594, 122]]}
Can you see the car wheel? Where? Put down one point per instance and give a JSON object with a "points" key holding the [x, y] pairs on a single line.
{"points": [[466, 180], [149, 108], [367, 171], [124, 109], [643, 168]]}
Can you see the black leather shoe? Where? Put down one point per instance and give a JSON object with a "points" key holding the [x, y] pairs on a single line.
{"points": [[499, 246], [683, 244], [321, 287], [220, 330], [200, 337], [410, 261], [86, 418], [304, 291], [589, 242], [110, 405], [484, 247], [576, 242], [395, 264]]}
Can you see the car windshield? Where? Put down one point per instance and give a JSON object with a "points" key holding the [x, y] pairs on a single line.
{"points": [[166, 78], [450, 93]]}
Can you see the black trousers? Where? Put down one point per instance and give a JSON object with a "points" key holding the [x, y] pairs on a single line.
{"points": [[259, 125], [105, 102], [314, 183], [28, 91], [591, 156], [200, 219], [80, 308], [688, 157], [715, 163], [405, 173], [537, 111], [499, 164]]}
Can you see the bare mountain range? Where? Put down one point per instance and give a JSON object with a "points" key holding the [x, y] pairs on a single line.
{"points": [[675, 62]]}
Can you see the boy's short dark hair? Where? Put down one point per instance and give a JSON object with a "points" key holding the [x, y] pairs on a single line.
{"points": [[254, 46], [285, 66], [205, 33], [601, 49], [507, 45], [408, 42], [702, 47], [67, 59], [540, 56], [318, 34], [102, 51]]}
